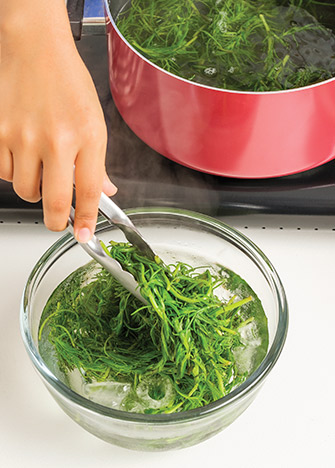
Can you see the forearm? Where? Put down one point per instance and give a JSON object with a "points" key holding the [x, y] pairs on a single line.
{"points": [[29, 24]]}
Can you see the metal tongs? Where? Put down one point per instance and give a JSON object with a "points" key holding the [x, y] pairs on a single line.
{"points": [[114, 215]]}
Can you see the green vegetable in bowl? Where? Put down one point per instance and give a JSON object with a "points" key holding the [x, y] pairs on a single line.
{"points": [[201, 335]]}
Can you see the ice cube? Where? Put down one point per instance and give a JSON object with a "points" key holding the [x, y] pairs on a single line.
{"points": [[156, 392], [109, 393], [245, 354]]}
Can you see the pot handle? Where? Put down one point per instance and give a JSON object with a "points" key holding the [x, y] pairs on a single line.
{"points": [[75, 9]]}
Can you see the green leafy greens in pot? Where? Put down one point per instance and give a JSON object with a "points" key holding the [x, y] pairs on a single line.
{"points": [[250, 45], [200, 336]]}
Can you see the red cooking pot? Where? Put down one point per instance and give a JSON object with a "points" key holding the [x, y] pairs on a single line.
{"points": [[222, 132]]}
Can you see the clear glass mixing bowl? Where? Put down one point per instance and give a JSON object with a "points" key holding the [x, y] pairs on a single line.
{"points": [[173, 234]]}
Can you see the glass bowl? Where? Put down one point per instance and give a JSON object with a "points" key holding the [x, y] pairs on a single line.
{"points": [[173, 234]]}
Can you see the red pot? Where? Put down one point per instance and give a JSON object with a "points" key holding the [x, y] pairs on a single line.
{"points": [[222, 132]]}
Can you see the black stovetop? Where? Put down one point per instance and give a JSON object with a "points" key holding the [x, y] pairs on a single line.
{"points": [[145, 178]]}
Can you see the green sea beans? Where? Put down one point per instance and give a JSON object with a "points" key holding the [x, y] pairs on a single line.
{"points": [[250, 45], [187, 338]]}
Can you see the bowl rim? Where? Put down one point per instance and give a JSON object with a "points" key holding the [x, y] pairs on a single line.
{"points": [[67, 241], [109, 17]]}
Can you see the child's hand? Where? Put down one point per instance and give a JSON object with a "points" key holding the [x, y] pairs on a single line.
{"points": [[51, 120]]}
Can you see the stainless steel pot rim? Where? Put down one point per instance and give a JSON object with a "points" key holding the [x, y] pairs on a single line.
{"points": [[248, 387], [110, 19]]}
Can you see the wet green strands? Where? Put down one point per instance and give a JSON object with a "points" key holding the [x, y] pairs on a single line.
{"points": [[250, 45], [186, 339]]}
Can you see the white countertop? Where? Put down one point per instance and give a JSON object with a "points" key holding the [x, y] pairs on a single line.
{"points": [[291, 422]]}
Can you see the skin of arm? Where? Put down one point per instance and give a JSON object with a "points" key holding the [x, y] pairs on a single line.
{"points": [[50, 116]]}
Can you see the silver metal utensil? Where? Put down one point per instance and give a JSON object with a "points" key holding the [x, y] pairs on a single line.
{"points": [[95, 250], [114, 215]]}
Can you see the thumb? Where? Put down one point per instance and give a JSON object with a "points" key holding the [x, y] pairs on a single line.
{"points": [[108, 187]]}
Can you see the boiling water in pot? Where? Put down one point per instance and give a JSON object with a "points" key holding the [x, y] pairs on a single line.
{"points": [[249, 45]]}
